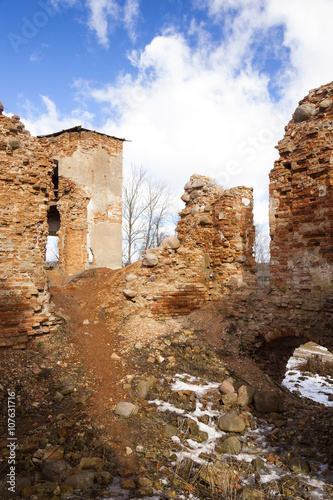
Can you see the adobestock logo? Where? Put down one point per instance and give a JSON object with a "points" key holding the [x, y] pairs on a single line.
{"points": [[30, 27]]}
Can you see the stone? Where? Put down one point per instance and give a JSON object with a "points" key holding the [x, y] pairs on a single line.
{"points": [[304, 112], [53, 453], [55, 470], [192, 426], [45, 488], [129, 294], [125, 409], [298, 465], [195, 183], [91, 463], [131, 277], [115, 356], [245, 395], [185, 197], [249, 493], [325, 104], [143, 389], [58, 397], [171, 242], [149, 260], [226, 387], [231, 422], [82, 480], [231, 445], [205, 220], [268, 402], [230, 399], [14, 143], [170, 430], [258, 464]]}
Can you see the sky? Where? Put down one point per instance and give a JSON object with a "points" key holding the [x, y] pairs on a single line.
{"points": [[196, 87]]}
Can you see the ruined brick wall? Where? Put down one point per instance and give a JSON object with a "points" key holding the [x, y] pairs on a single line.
{"points": [[213, 253], [301, 199], [219, 222], [25, 190], [89, 197]]}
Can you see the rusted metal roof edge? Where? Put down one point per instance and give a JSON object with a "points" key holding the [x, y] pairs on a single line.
{"points": [[79, 128]]}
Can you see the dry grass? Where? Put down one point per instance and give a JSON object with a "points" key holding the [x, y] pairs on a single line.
{"points": [[315, 364]]}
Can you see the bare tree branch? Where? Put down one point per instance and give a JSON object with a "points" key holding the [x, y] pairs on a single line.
{"points": [[146, 207]]}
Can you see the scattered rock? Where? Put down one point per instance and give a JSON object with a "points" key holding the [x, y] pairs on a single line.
{"points": [[82, 480], [170, 430], [231, 445], [229, 399], [149, 260], [226, 387], [129, 294], [131, 277], [55, 470], [125, 409], [298, 465], [258, 464], [245, 395], [231, 422], [143, 389], [268, 402]]}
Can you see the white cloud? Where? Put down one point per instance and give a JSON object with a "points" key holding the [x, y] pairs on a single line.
{"points": [[131, 13], [186, 112], [207, 109], [51, 120], [103, 13]]}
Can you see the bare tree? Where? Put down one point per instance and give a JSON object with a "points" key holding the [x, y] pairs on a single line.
{"points": [[261, 244], [146, 207]]}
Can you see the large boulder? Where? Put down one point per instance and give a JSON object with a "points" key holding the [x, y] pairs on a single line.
{"points": [[55, 470], [226, 387], [268, 402], [150, 259], [82, 480], [171, 242], [231, 422], [124, 409], [245, 395], [231, 445], [304, 112]]}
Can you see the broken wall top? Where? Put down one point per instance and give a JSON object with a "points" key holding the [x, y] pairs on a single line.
{"points": [[301, 198]]}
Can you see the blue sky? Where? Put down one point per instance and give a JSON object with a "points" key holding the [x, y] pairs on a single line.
{"points": [[198, 86]]}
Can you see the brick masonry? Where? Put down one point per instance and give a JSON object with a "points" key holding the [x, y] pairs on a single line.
{"points": [[213, 252], [301, 199], [75, 175], [25, 191]]}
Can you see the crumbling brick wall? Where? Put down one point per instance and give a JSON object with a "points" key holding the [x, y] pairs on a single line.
{"points": [[213, 253], [301, 199], [219, 222], [89, 197], [25, 190]]}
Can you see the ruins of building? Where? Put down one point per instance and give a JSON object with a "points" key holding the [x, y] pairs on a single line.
{"points": [[219, 222], [301, 199], [86, 209], [68, 183], [74, 177]]}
